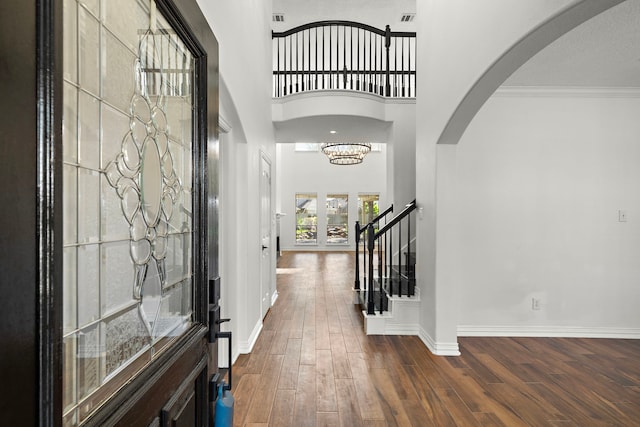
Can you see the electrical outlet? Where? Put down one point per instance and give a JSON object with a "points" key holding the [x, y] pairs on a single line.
{"points": [[535, 304]]}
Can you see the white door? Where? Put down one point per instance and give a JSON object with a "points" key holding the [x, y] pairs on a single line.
{"points": [[265, 234]]}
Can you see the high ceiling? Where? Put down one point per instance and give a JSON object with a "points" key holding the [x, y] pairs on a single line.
{"points": [[376, 13], [603, 52]]}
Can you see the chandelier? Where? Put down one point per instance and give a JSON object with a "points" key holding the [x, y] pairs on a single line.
{"points": [[345, 153]]}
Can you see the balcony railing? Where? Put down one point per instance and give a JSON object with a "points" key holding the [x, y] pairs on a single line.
{"points": [[344, 55]]}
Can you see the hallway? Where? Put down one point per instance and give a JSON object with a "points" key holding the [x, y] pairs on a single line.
{"points": [[313, 366]]}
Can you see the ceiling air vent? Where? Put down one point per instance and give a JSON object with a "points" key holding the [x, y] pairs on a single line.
{"points": [[407, 17], [278, 17]]}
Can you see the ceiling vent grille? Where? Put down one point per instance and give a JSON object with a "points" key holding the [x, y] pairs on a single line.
{"points": [[278, 17], [407, 17]]}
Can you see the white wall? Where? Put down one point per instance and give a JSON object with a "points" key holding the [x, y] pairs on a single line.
{"points": [[401, 156], [311, 172], [466, 50], [242, 28], [540, 181]]}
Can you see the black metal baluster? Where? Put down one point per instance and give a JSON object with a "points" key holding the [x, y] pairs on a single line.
{"points": [[387, 44], [400, 256], [370, 64], [356, 284], [380, 280], [409, 68], [316, 64], [330, 57], [375, 63], [309, 59], [290, 69], [302, 85], [323, 54], [403, 69], [278, 74], [395, 67], [344, 55], [370, 300], [391, 258], [351, 54], [410, 267], [358, 45]]}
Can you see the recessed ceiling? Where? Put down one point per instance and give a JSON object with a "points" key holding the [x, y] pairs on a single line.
{"points": [[317, 129]]}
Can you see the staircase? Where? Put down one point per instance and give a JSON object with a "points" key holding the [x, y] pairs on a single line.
{"points": [[388, 294]]}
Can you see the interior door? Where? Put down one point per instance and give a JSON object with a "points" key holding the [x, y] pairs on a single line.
{"points": [[115, 224], [265, 234]]}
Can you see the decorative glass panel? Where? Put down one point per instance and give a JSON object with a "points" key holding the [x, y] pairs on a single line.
{"points": [[337, 218], [70, 40], [306, 218], [89, 51], [127, 189], [89, 128], [70, 124], [88, 284], [88, 205]]}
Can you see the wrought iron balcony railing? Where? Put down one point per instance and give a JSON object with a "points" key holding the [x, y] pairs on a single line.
{"points": [[344, 55]]}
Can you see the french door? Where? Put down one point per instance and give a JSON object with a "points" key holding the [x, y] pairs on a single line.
{"points": [[109, 152]]}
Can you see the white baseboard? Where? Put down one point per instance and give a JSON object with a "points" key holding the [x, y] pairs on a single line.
{"points": [[274, 297], [439, 348], [245, 347], [546, 331]]}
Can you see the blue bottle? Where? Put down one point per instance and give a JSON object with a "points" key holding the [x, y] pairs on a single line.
{"points": [[224, 407]]}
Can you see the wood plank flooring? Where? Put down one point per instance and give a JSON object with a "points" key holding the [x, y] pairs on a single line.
{"points": [[313, 366]]}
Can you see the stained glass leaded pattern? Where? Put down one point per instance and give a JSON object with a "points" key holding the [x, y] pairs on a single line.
{"points": [[127, 185]]}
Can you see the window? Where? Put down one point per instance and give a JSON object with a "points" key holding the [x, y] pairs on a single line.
{"points": [[307, 146], [337, 218], [306, 218], [367, 208]]}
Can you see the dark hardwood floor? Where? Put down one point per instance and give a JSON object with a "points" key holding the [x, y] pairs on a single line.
{"points": [[313, 366]]}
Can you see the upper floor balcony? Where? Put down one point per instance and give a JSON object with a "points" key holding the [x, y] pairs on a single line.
{"points": [[344, 55]]}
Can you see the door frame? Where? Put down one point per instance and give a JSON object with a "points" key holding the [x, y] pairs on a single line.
{"points": [[265, 158]]}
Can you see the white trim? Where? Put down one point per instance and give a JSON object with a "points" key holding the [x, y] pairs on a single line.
{"points": [[567, 92], [546, 331], [245, 347], [439, 348], [274, 297], [341, 92]]}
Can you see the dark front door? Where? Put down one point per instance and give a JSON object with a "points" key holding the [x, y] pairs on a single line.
{"points": [[109, 232]]}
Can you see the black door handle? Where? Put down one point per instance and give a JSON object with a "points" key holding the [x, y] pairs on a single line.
{"points": [[265, 247]]}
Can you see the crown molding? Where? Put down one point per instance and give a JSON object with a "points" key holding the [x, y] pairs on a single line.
{"points": [[566, 92]]}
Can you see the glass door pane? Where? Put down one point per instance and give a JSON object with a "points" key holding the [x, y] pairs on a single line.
{"points": [[128, 195]]}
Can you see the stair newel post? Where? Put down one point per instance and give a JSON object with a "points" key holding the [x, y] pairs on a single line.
{"points": [[356, 285], [370, 244]]}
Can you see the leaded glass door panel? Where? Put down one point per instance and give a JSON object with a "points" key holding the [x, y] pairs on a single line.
{"points": [[134, 216]]}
